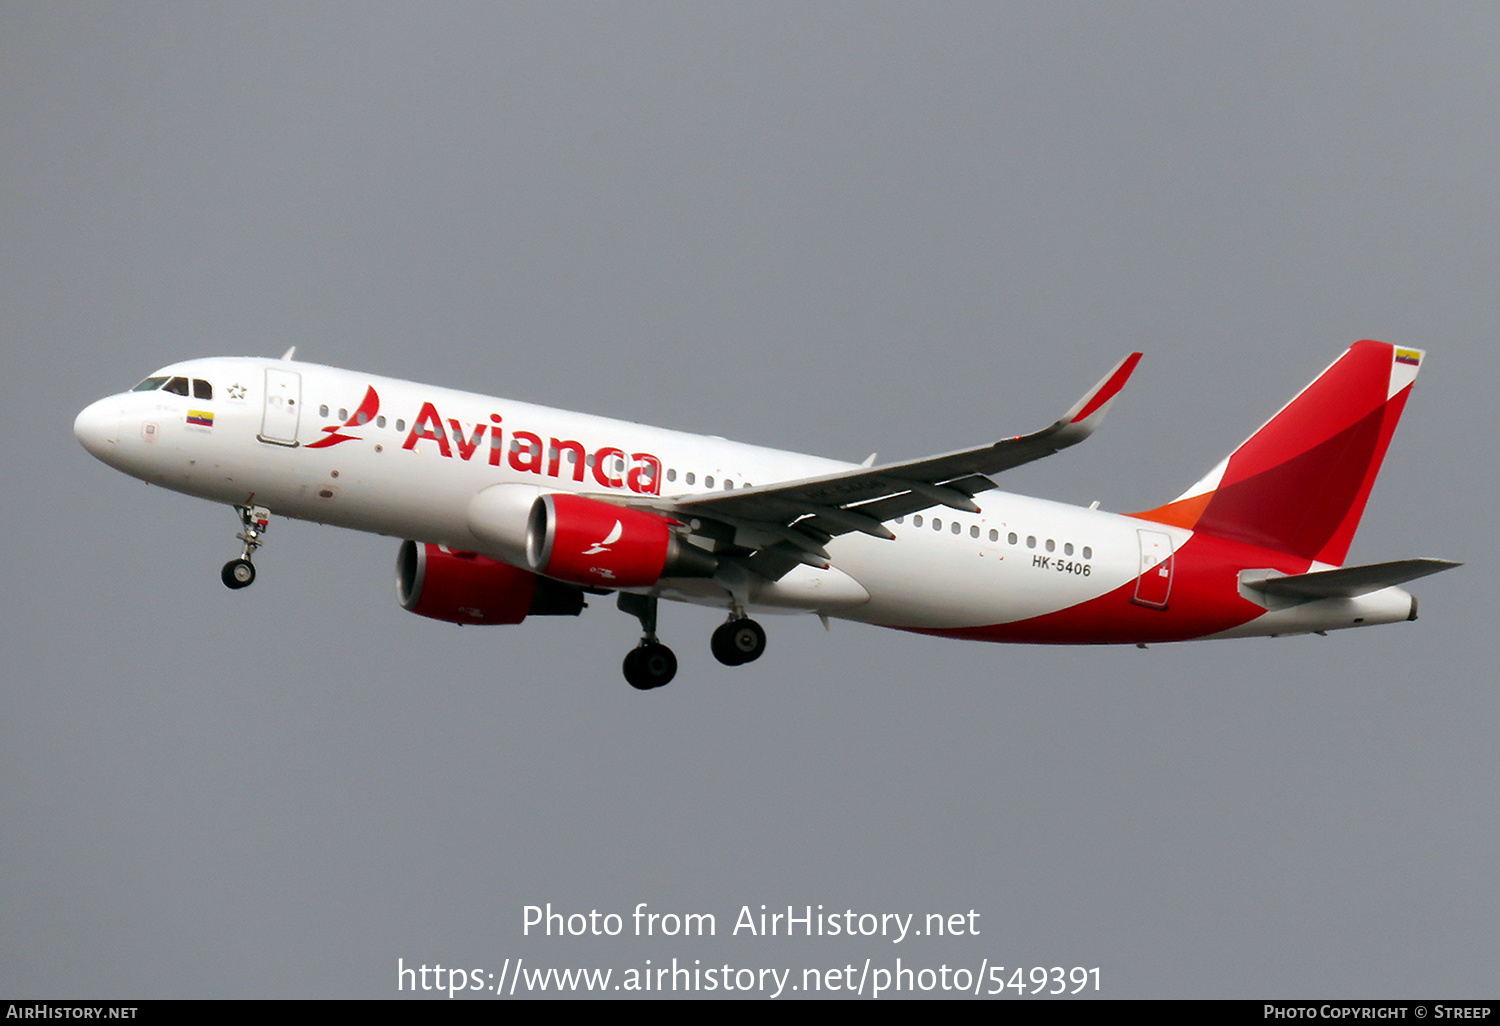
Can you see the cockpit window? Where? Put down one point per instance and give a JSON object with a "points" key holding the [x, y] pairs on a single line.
{"points": [[149, 385], [177, 386], [202, 389]]}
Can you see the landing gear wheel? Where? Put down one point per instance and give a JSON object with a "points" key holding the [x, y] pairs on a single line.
{"points": [[632, 671], [650, 666], [238, 573], [738, 642]]}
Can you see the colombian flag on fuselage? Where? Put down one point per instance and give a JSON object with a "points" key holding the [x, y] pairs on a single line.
{"points": [[202, 418], [1410, 356]]}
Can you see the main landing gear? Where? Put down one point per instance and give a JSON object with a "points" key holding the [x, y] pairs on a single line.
{"points": [[651, 664], [240, 573], [737, 641]]}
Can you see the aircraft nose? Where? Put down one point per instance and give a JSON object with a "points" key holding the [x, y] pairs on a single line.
{"points": [[98, 428]]}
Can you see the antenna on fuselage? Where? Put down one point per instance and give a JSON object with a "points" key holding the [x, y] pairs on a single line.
{"points": [[290, 353]]}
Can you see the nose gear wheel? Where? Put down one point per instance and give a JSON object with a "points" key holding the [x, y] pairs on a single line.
{"points": [[240, 573]]}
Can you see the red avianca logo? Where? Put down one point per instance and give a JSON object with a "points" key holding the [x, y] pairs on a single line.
{"points": [[368, 407], [611, 467]]}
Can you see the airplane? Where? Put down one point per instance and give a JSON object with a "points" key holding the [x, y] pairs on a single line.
{"points": [[509, 510]]}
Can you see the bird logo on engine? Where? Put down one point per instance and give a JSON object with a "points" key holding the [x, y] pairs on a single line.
{"points": [[603, 544]]}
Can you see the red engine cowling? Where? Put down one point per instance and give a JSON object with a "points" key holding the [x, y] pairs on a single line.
{"points": [[593, 543], [467, 588]]}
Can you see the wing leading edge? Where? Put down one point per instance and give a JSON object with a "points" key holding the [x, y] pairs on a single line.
{"points": [[787, 524]]}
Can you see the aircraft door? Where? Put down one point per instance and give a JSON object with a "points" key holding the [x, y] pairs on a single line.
{"points": [[1154, 585], [283, 409]]}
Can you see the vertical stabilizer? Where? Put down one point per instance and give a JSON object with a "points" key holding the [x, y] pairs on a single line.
{"points": [[1299, 484]]}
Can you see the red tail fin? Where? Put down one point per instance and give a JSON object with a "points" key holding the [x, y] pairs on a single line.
{"points": [[1300, 483]]}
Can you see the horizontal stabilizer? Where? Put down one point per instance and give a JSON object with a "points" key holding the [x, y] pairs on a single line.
{"points": [[1349, 582]]}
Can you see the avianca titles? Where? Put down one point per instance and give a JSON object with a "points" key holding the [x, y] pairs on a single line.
{"points": [[514, 510]]}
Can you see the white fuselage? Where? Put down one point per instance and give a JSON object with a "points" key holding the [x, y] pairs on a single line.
{"points": [[410, 461]]}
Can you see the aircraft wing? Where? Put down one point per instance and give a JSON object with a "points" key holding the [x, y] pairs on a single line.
{"points": [[789, 523]]}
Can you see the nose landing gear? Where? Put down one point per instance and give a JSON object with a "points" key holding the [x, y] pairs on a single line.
{"points": [[240, 573]]}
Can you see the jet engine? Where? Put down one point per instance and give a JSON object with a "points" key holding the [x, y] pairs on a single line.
{"points": [[594, 543], [465, 587]]}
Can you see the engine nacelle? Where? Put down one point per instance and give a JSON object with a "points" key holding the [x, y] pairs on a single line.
{"points": [[465, 587], [594, 543]]}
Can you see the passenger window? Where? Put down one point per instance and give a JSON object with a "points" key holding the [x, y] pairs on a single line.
{"points": [[974, 531], [1051, 545], [900, 520], [401, 424], [958, 528], [1068, 549], [177, 386], [671, 472], [729, 486], [1012, 538], [1031, 541], [323, 410], [690, 478], [1088, 553], [916, 521], [380, 421], [149, 385], [202, 389], [708, 482], [995, 535]]}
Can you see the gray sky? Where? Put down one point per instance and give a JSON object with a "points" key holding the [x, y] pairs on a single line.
{"points": [[831, 228]]}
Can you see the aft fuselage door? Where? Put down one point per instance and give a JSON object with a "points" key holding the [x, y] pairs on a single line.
{"points": [[278, 424], [1154, 586]]}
